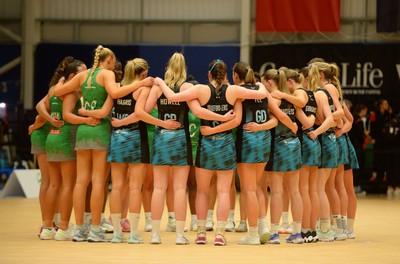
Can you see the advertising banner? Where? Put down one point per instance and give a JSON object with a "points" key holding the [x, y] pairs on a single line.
{"points": [[368, 71]]}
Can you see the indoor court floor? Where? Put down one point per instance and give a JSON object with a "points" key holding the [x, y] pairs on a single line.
{"points": [[377, 228]]}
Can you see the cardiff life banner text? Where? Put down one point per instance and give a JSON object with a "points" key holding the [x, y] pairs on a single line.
{"points": [[368, 71]]}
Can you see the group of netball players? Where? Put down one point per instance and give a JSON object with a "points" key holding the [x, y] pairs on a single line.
{"points": [[287, 132]]}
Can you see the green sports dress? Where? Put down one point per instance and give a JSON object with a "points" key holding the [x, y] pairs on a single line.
{"points": [[94, 137]]}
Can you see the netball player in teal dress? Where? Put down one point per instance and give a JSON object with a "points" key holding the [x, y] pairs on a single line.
{"points": [[92, 142], [216, 151], [253, 143], [320, 75], [285, 162], [306, 110], [349, 183], [171, 148], [339, 210]]}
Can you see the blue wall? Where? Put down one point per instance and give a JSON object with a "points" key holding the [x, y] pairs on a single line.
{"points": [[10, 81]]}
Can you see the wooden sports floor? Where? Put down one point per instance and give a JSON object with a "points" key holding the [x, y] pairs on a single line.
{"points": [[377, 228]]}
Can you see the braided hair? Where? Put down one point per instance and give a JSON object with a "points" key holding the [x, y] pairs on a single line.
{"points": [[100, 55], [217, 68]]}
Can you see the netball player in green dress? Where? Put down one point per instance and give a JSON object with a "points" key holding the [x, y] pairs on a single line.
{"points": [[61, 155], [38, 132], [92, 142]]}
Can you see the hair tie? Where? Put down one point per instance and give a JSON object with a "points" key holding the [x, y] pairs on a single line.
{"points": [[216, 62]]}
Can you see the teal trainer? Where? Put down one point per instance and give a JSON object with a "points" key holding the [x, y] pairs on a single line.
{"points": [[135, 238], [117, 237], [98, 236], [81, 234], [328, 236]]}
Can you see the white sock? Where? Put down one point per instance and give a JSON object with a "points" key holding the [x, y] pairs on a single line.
{"points": [[194, 218], [57, 218], [156, 226], [231, 215], [180, 227], [201, 223], [95, 228], [262, 221], [210, 214], [274, 229], [350, 225], [253, 230], [325, 225], [220, 227], [134, 219], [285, 217], [147, 215], [344, 222], [296, 227], [102, 216], [87, 219], [337, 221], [171, 216], [116, 219]]}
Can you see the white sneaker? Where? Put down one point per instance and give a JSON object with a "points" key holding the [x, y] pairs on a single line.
{"points": [[390, 192], [264, 234], [340, 235], [242, 227], [249, 240], [117, 237], [147, 226], [230, 225], [47, 234], [155, 238], [350, 234], [80, 234], [105, 226], [181, 240], [209, 224], [396, 193], [171, 226], [98, 236], [66, 235], [135, 238]]}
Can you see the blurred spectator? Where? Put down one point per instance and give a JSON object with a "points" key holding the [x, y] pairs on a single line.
{"points": [[392, 156], [359, 135], [379, 119]]}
